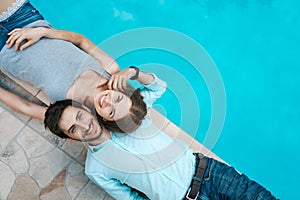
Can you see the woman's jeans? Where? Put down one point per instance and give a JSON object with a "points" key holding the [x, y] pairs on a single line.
{"points": [[224, 182], [26, 14]]}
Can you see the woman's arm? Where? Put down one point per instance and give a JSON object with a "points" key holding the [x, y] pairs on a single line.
{"points": [[32, 35], [21, 105]]}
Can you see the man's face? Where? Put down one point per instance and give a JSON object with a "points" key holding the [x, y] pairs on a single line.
{"points": [[79, 124], [112, 105]]}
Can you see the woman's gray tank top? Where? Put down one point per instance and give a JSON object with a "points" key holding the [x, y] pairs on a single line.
{"points": [[51, 65]]}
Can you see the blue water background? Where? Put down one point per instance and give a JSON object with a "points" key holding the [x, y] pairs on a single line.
{"points": [[254, 43]]}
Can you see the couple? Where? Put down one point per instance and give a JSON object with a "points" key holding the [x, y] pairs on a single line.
{"points": [[143, 164]]}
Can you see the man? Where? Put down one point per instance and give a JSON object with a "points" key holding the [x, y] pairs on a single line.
{"points": [[148, 161]]}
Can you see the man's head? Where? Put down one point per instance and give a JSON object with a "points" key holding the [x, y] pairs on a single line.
{"points": [[69, 119]]}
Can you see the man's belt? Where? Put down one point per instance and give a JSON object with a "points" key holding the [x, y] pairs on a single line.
{"points": [[195, 187]]}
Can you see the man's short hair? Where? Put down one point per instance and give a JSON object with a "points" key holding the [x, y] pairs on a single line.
{"points": [[54, 113]]}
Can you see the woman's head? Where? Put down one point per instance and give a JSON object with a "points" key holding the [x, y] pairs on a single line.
{"points": [[121, 112]]}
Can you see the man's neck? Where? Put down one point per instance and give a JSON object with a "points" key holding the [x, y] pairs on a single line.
{"points": [[104, 137]]}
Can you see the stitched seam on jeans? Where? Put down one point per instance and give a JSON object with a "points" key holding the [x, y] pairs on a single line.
{"points": [[210, 170]]}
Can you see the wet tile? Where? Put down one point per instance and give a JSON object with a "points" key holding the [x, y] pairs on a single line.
{"points": [[24, 188], [9, 128], [56, 189], [6, 181], [33, 144], [91, 192], [44, 168], [75, 179], [14, 156]]}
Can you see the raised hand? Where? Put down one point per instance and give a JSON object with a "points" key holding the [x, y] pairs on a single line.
{"points": [[118, 80]]}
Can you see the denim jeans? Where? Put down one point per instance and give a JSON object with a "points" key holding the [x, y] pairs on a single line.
{"points": [[224, 182], [26, 14]]}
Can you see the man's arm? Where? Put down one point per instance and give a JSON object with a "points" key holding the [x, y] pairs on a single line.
{"points": [[32, 35], [21, 105]]}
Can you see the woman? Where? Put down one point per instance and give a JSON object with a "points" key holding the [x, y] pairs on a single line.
{"points": [[62, 70]]}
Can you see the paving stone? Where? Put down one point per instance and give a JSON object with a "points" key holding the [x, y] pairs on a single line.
{"points": [[24, 188], [92, 192], [75, 179], [14, 156], [33, 144], [44, 168], [58, 193], [9, 128], [56, 189], [36, 125], [73, 148], [52, 138], [108, 197], [82, 156], [39, 127], [6, 181]]}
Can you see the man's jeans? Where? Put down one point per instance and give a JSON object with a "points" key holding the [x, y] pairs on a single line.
{"points": [[26, 14], [224, 182]]}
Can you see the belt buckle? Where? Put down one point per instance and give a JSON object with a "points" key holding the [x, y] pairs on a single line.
{"points": [[189, 198]]}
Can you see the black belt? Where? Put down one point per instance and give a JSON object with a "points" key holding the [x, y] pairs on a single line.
{"points": [[195, 187]]}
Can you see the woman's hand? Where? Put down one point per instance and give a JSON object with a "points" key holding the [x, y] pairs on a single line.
{"points": [[119, 80], [32, 35]]}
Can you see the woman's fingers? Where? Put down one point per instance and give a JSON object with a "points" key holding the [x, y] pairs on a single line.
{"points": [[27, 44], [13, 31], [18, 42], [118, 81], [12, 39]]}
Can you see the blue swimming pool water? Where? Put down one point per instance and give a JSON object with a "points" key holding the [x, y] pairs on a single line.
{"points": [[254, 44]]}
